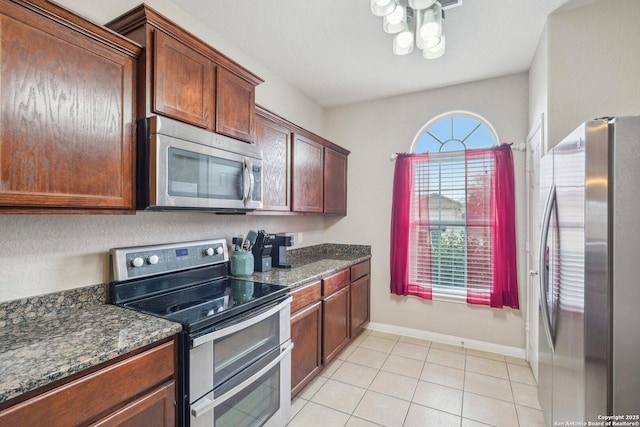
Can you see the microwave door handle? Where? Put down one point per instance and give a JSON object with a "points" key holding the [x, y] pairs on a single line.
{"points": [[246, 181], [252, 182]]}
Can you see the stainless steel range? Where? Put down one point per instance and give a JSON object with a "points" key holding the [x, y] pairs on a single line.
{"points": [[235, 349]]}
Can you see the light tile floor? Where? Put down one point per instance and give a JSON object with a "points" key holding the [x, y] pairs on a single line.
{"points": [[391, 380]]}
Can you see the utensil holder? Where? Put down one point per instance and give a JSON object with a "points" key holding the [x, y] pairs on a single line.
{"points": [[241, 263]]}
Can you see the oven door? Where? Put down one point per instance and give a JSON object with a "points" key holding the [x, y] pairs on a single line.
{"points": [[192, 175], [240, 352], [258, 396]]}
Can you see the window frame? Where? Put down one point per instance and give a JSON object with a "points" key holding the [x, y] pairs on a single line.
{"points": [[439, 292]]}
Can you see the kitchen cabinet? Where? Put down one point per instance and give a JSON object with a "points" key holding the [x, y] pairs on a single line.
{"points": [[67, 121], [307, 175], [325, 316], [360, 297], [273, 136], [134, 390], [302, 172], [306, 335], [235, 106], [183, 77], [335, 321], [335, 182], [184, 83]]}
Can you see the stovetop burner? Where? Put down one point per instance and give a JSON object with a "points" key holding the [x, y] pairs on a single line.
{"points": [[186, 282], [200, 305]]}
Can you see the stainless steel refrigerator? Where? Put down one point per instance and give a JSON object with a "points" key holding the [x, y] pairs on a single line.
{"points": [[589, 341]]}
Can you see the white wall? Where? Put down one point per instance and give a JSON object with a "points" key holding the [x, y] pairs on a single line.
{"points": [[593, 64], [373, 131], [46, 253], [538, 86]]}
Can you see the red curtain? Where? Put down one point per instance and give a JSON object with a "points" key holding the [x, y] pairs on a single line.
{"points": [[505, 266], [410, 228], [490, 227]]}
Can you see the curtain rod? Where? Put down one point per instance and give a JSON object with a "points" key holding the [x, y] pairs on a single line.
{"points": [[518, 147]]}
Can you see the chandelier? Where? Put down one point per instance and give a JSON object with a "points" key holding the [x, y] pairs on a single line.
{"points": [[416, 23]]}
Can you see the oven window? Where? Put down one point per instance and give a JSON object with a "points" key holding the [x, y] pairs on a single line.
{"points": [[234, 352], [254, 405], [197, 175]]}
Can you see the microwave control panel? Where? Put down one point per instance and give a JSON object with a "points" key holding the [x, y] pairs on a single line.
{"points": [[141, 261]]}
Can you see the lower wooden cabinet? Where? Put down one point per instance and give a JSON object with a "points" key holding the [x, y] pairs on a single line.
{"points": [[135, 391], [359, 305], [335, 324], [360, 297], [325, 316], [306, 334], [156, 408]]}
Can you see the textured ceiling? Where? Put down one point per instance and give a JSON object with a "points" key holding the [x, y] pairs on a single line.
{"points": [[335, 51]]}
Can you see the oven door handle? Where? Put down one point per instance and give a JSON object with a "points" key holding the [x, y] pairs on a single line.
{"points": [[205, 404], [259, 317]]}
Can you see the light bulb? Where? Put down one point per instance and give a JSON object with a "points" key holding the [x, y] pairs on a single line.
{"points": [[403, 43], [382, 7], [430, 26], [421, 4], [396, 21], [436, 51]]}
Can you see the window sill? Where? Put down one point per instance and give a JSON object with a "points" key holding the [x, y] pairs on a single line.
{"points": [[449, 295]]}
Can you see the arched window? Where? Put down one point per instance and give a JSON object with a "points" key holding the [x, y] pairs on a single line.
{"points": [[451, 222], [454, 131]]}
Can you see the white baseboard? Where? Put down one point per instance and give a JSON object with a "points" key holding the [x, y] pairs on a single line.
{"points": [[449, 339]]}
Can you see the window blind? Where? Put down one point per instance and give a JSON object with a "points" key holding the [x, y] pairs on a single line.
{"points": [[451, 223]]}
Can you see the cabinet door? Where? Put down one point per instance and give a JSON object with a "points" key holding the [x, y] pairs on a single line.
{"points": [[100, 392], [183, 82], [335, 182], [156, 408], [307, 177], [235, 106], [360, 303], [306, 333], [66, 116], [275, 141], [335, 322]]}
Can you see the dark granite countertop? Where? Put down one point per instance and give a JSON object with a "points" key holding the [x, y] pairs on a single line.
{"points": [[38, 352], [49, 337], [313, 263]]}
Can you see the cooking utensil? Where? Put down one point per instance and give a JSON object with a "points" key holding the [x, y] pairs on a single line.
{"points": [[251, 238]]}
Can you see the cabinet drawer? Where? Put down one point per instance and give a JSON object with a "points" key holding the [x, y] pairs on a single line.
{"points": [[305, 295], [359, 270], [335, 282], [97, 393]]}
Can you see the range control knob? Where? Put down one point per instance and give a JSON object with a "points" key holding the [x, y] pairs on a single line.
{"points": [[208, 252], [153, 260], [219, 250], [137, 262]]}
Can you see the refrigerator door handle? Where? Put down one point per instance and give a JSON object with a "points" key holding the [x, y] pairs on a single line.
{"points": [[542, 268]]}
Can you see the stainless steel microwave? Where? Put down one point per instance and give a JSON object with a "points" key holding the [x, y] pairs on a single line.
{"points": [[181, 166]]}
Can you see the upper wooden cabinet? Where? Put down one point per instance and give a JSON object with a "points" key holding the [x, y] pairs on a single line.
{"points": [[235, 106], [181, 76], [308, 175], [67, 120], [302, 172], [274, 138], [335, 182], [184, 82]]}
